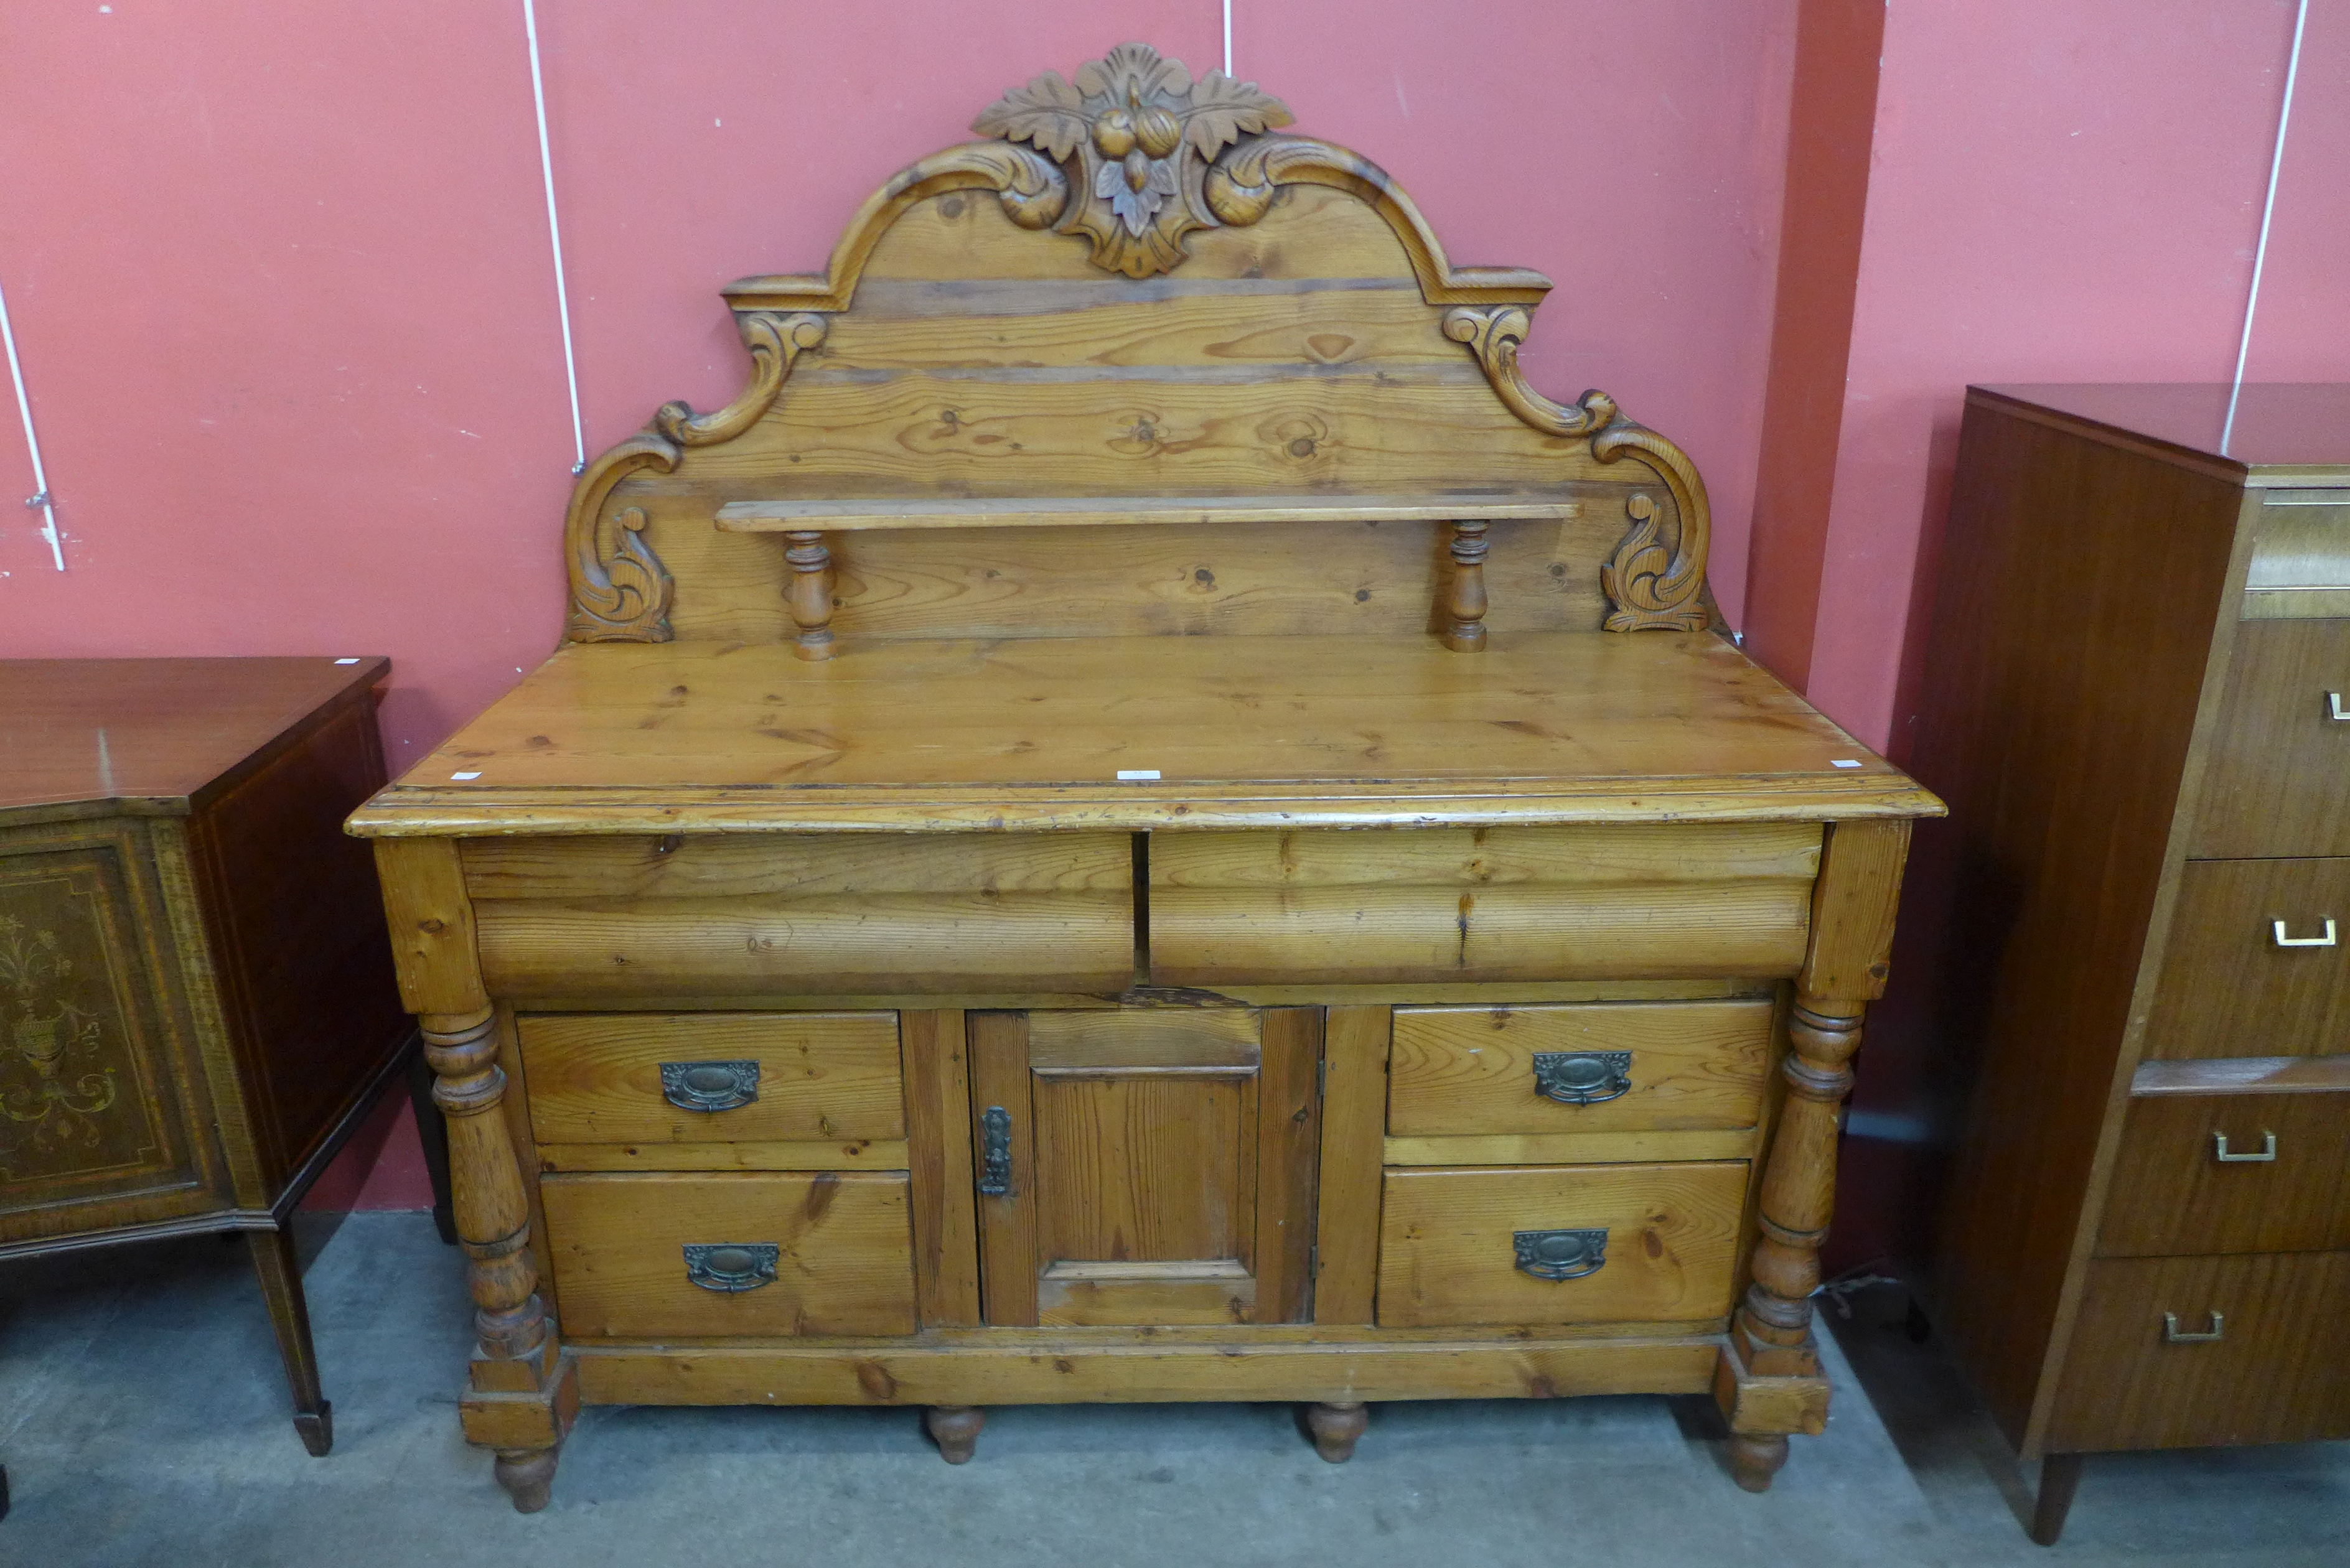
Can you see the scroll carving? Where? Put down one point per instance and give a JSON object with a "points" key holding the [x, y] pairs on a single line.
{"points": [[1650, 586], [1142, 131], [775, 341], [619, 590]]}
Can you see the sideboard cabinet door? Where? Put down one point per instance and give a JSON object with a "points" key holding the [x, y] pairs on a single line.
{"points": [[1146, 1166]]}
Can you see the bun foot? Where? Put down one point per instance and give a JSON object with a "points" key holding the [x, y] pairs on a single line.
{"points": [[955, 1429], [1334, 1429], [1756, 1457], [316, 1428], [528, 1476]]}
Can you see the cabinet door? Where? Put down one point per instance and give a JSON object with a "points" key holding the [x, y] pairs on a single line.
{"points": [[1146, 1166], [92, 1127]]}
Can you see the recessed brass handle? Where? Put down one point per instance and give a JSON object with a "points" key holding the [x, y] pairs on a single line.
{"points": [[731, 1267], [2268, 1150], [2283, 941], [2170, 1334], [2334, 706]]}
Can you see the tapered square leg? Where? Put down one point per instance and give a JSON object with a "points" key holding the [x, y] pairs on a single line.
{"points": [[2060, 1477], [281, 1288]]}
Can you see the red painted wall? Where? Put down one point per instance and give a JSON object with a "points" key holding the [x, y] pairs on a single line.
{"points": [[280, 272]]}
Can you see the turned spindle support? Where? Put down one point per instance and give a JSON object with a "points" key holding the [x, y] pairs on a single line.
{"points": [[955, 1429], [1335, 1427], [1464, 608], [808, 595], [1774, 1327]]}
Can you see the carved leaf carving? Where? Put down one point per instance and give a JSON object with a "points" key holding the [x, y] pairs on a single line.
{"points": [[1048, 112], [1141, 131], [1223, 110]]}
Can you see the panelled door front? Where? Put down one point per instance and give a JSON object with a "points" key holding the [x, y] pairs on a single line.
{"points": [[1146, 1164]]}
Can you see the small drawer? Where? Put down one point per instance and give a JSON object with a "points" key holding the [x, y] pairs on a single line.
{"points": [[636, 918], [2174, 1352], [2259, 961], [1559, 1244], [2277, 757], [705, 1077], [2231, 1173], [791, 1253], [1602, 1066], [1324, 906]]}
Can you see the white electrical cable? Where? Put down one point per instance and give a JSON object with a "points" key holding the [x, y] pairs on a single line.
{"points": [[1228, 37], [2267, 210], [40, 497], [554, 238]]}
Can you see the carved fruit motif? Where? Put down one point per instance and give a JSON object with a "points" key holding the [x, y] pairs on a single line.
{"points": [[1142, 131]]}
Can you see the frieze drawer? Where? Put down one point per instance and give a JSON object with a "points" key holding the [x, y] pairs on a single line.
{"points": [[787, 1252], [654, 1079], [1561, 1245], [1610, 1067], [1332, 907], [798, 914]]}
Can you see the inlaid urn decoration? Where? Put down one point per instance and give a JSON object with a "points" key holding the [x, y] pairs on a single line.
{"points": [[44, 1027], [1144, 135]]}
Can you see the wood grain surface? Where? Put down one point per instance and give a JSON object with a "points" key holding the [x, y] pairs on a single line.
{"points": [[1354, 1048], [2228, 988], [2273, 781], [1446, 1254], [2279, 1374], [845, 1252], [2173, 1194], [1471, 1070], [828, 1077]]}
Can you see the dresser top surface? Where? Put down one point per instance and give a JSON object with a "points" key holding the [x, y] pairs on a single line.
{"points": [[1231, 731], [2303, 427], [156, 729]]}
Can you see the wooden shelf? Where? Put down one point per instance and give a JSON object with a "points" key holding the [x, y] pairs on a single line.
{"points": [[837, 516]]}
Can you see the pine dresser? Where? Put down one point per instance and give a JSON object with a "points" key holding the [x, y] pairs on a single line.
{"points": [[2135, 921], [1140, 818]]}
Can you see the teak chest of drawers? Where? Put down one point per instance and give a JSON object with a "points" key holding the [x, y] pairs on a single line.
{"points": [[1219, 857], [2139, 709]]}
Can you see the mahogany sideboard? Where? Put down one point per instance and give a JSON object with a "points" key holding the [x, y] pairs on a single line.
{"points": [[1140, 818], [2139, 667], [199, 1006]]}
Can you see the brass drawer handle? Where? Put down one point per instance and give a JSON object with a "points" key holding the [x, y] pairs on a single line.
{"points": [[2286, 941], [710, 1086], [2170, 1334], [1561, 1254], [2334, 706], [1583, 1077], [729, 1267], [2268, 1150]]}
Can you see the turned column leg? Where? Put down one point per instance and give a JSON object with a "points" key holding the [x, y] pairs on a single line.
{"points": [[515, 1355], [1335, 1426], [1464, 609], [808, 595], [955, 1429], [1774, 1321], [281, 1287]]}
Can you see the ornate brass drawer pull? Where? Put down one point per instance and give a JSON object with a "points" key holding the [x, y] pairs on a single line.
{"points": [[2286, 941], [710, 1086], [2170, 1334], [995, 1152], [2334, 706], [728, 1267], [1561, 1254], [1583, 1077], [2268, 1150]]}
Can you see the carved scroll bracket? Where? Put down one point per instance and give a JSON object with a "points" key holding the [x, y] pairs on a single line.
{"points": [[775, 341], [1650, 587], [619, 590]]}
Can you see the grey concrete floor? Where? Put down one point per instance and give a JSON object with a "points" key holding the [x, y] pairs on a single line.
{"points": [[142, 1420]]}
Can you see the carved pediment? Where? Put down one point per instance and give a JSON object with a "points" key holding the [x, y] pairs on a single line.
{"points": [[1143, 136]]}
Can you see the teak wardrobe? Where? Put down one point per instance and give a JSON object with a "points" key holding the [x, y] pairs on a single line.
{"points": [[1140, 818]]}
